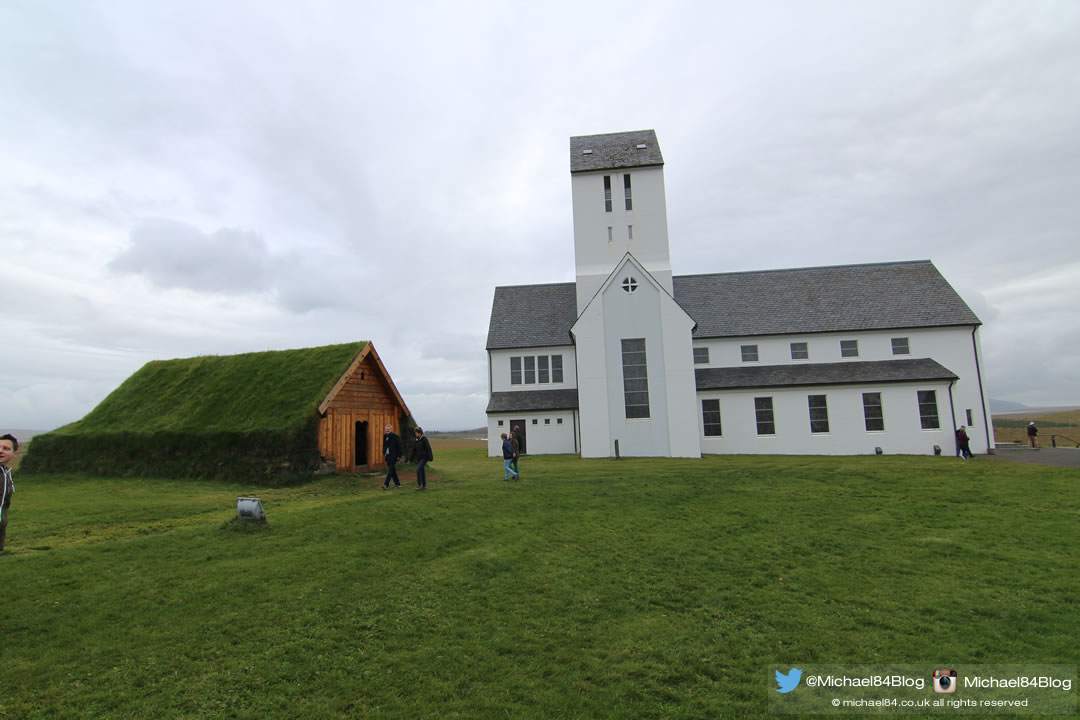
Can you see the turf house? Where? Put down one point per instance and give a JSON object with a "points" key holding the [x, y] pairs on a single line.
{"points": [[273, 417], [632, 360]]}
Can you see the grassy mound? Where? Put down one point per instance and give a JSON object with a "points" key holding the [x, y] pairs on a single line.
{"points": [[252, 417]]}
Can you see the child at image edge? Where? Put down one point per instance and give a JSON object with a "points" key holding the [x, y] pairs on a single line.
{"points": [[9, 448]]}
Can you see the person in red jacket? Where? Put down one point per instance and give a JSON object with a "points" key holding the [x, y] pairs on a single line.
{"points": [[963, 447]]}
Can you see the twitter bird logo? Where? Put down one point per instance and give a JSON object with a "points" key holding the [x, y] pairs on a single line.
{"points": [[788, 682]]}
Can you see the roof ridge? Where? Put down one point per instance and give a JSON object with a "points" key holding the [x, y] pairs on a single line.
{"points": [[812, 267]]}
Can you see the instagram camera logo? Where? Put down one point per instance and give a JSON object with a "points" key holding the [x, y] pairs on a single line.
{"points": [[944, 681]]}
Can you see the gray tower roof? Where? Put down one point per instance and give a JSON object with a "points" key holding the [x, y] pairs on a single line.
{"points": [[614, 150]]}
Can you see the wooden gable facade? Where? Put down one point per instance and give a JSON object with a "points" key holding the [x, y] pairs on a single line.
{"points": [[355, 411]]}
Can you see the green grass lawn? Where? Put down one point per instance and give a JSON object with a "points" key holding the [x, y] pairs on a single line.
{"points": [[592, 588]]}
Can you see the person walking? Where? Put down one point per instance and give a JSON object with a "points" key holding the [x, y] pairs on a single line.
{"points": [[391, 447], [963, 448], [9, 449], [1033, 435], [421, 455], [515, 442], [508, 457]]}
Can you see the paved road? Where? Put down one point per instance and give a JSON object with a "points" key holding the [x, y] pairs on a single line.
{"points": [[1054, 457]]}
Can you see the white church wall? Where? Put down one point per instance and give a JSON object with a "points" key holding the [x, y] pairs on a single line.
{"points": [[847, 434], [592, 366], [631, 316], [679, 380], [641, 231], [546, 432], [499, 362]]}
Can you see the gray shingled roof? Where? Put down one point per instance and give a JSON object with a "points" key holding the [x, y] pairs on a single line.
{"points": [[533, 400], [532, 316], [823, 299], [840, 373], [614, 150], [840, 298]]}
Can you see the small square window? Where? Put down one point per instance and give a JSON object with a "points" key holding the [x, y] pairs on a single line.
{"points": [[701, 356], [849, 348], [900, 346], [535, 421], [749, 353], [547, 421], [500, 423], [800, 351], [558, 421]]}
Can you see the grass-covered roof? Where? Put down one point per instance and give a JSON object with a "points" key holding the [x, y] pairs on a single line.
{"points": [[274, 390]]}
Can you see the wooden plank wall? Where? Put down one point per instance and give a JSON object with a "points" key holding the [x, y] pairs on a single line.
{"points": [[365, 397]]}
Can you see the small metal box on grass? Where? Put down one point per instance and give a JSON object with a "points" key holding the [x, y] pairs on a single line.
{"points": [[250, 509]]}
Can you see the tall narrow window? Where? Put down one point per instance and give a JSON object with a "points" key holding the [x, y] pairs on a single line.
{"points": [[556, 368], [928, 413], [764, 413], [607, 193], [970, 420], [530, 369], [819, 413], [629, 232], [872, 414], [515, 371], [710, 417], [701, 356], [849, 348], [800, 351], [900, 346], [635, 378], [542, 369], [626, 191], [749, 353]]}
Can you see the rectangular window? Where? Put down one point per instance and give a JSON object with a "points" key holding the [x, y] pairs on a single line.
{"points": [[542, 369], [558, 421], [871, 410], [701, 356], [629, 232], [900, 346], [635, 378], [819, 413], [530, 370], [535, 421], [749, 353], [626, 191], [764, 413], [500, 423], [849, 348], [710, 417], [607, 193], [800, 351], [547, 421], [970, 420], [610, 230], [928, 409], [556, 368], [515, 371]]}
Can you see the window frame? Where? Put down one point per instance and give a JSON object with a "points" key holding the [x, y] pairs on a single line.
{"points": [[805, 350], [518, 371], [926, 400], [529, 376], [627, 194], [851, 345], [607, 196], [818, 406], [764, 416], [635, 379], [879, 418], [746, 350], [711, 425], [906, 346], [698, 357], [556, 369]]}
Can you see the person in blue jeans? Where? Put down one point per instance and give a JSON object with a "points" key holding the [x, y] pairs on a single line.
{"points": [[421, 455], [391, 447], [508, 458]]}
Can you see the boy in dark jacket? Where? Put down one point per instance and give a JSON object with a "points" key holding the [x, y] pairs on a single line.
{"points": [[391, 447], [421, 455]]}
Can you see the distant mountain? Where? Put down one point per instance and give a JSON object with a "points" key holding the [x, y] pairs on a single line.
{"points": [[1006, 406]]}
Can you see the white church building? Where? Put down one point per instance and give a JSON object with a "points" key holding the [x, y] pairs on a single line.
{"points": [[630, 360]]}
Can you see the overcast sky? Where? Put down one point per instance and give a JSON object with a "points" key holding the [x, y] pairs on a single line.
{"points": [[182, 178]]}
